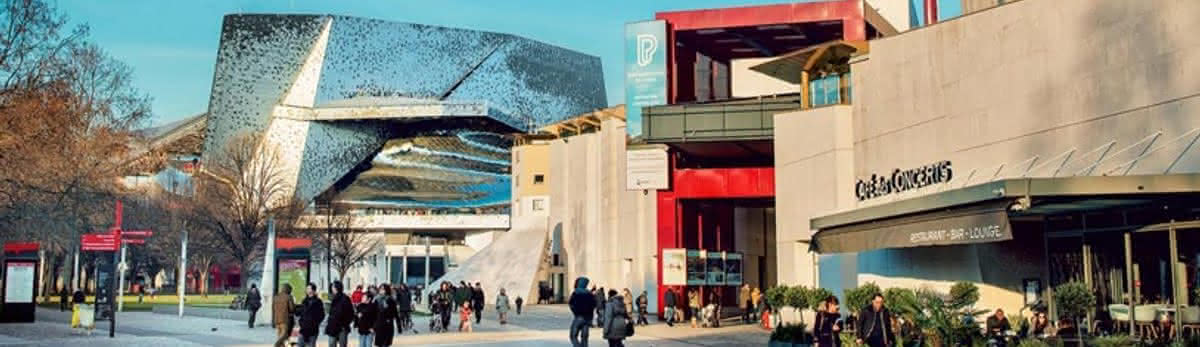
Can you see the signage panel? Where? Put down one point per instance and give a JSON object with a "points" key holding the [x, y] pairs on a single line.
{"points": [[733, 269], [18, 282], [646, 48], [646, 169], [903, 180], [294, 272], [716, 268], [674, 266]]}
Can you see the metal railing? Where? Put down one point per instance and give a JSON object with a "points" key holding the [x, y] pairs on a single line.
{"points": [[735, 119]]}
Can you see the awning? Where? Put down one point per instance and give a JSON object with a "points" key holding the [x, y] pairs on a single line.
{"points": [[788, 67], [981, 223]]}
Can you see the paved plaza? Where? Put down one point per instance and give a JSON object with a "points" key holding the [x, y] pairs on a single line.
{"points": [[537, 326]]}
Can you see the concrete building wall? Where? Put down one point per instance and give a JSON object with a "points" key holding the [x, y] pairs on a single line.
{"points": [[608, 232], [1034, 88], [814, 153], [530, 197], [749, 83]]}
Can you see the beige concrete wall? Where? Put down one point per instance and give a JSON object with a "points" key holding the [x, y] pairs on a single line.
{"points": [[813, 162], [1006, 92], [608, 232], [1031, 78], [529, 161], [750, 83]]}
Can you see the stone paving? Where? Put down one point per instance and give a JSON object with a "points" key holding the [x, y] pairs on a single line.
{"points": [[538, 326]]}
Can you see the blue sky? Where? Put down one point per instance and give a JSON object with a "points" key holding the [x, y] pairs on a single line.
{"points": [[172, 45]]}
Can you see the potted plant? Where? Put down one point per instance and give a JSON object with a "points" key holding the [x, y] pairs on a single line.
{"points": [[941, 320], [776, 300], [797, 299], [857, 298], [791, 335], [1074, 300]]}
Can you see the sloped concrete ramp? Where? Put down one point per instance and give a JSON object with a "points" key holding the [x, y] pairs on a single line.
{"points": [[511, 262]]}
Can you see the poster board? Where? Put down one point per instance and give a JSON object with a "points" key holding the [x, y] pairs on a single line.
{"points": [[696, 267], [18, 280], [733, 269], [674, 266], [294, 272], [716, 268]]}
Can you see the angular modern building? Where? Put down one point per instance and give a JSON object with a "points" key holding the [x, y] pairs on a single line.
{"points": [[404, 126]]}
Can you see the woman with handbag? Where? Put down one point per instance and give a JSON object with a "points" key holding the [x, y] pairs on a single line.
{"points": [[617, 325]]}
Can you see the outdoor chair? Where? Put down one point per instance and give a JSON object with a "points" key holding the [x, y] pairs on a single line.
{"points": [[1145, 319], [1191, 320], [1120, 316]]}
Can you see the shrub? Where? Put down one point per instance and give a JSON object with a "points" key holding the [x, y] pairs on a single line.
{"points": [[1074, 299], [964, 294], [858, 298], [776, 297], [795, 333], [1114, 341], [1033, 343], [797, 297], [816, 298], [900, 299]]}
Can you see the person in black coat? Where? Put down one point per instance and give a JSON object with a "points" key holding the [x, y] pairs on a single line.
{"points": [[387, 313], [404, 307], [253, 303], [875, 324], [368, 312], [477, 301], [583, 306], [828, 324], [341, 315], [312, 312]]}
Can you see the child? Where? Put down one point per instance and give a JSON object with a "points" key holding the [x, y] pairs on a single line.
{"points": [[464, 317], [519, 302]]}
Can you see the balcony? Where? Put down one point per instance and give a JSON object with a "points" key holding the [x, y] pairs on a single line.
{"points": [[726, 120]]}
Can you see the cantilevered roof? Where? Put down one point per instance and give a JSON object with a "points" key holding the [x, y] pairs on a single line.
{"points": [[788, 67]]}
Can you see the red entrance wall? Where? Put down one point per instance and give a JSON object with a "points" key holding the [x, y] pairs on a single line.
{"points": [[685, 222]]}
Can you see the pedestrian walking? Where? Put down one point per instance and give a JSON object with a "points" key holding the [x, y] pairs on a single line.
{"points": [[404, 308], [617, 325], [464, 317], [501, 306], [312, 312], [627, 298], [874, 326], [282, 311], [445, 300], [367, 312], [341, 316], [583, 305], [669, 307], [756, 303], [357, 296], [253, 302], [745, 302], [519, 301], [714, 299], [828, 325], [63, 304], [641, 309], [601, 303], [383, 319], [693, 305], [477, 301]]}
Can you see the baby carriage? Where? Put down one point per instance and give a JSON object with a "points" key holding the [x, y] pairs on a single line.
{"points": [[436, 323], [708, 316]]}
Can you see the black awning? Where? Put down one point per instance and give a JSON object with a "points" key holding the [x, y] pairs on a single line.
{"points": [[980, 223]]}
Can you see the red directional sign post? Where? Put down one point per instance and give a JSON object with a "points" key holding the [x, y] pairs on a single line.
{"points": [[106, 298]]}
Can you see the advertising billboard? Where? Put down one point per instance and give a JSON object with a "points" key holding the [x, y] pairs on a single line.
{"points": [[18, 280], [294, 272], [696, 267], [674, 266], [645, 70], [716, 268], [733, 269]]}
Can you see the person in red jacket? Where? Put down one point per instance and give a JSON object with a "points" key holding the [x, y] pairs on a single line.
{"points": [[357, 297]]}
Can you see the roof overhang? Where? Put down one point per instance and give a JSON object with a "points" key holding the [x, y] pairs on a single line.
{"points": [[1016, 197], [790, 67]]}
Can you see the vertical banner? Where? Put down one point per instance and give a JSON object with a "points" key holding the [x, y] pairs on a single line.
{"points": [[695, 267], [645, 70], [716, 268], [674, 266], [733, 269]]}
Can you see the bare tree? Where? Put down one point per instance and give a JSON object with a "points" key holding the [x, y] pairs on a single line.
{"points": [[238, 191], [344, 246]]}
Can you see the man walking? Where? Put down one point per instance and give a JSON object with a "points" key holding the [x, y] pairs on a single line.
{"points": [[253, 302], [341, 315], [477, 301], [282, 310], [744, 302], [583, 305], [312, 312], [669, 307], [641, 309], [404, 308], [875, 324]]}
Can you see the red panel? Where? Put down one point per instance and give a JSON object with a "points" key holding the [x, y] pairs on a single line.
{"points": [[756, 182], [20, 247], [848, 11], [668, 236], [285, 243]]}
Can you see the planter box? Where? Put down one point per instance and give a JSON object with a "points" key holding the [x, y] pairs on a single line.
{"points": [[780, 344]]}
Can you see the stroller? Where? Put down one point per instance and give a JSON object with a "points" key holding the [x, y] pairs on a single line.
{"points": [[436, 322], [708, 316]]}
